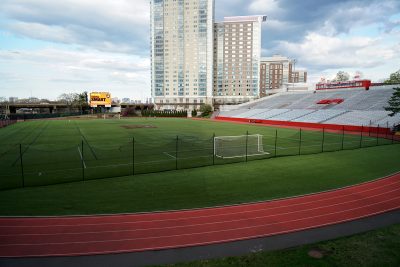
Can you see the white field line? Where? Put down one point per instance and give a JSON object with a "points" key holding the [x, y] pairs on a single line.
{"points": [[169, 155], [244, 155], [80, 154]]}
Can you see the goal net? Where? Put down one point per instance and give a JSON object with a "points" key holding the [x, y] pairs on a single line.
{"points": [[238, 146]]}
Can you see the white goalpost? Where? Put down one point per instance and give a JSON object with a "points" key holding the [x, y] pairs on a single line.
{"points": [[238, 146]]}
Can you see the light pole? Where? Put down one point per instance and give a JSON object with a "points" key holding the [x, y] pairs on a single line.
{"points": [[294, 68]]}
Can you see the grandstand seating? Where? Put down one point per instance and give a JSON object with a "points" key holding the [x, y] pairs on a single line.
{"points": [[321, 116], [292, 114], [250, 113], [269, 113], [359, 107], [359, 117]]}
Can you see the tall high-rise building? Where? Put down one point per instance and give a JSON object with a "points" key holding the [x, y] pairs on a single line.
{"points": [[181, 52], [237, 53]]}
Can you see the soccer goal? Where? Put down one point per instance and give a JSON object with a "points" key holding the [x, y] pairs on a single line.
{"points": [[238, 146]]}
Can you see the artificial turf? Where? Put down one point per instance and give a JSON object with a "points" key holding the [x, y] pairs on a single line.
{"points": [[57, 151], [206, 186]]}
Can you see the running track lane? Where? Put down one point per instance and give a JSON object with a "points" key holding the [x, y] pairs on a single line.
{"points": [[89, 235]]}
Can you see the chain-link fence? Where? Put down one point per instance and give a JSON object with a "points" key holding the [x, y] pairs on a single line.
{"points": [[36, 164]]}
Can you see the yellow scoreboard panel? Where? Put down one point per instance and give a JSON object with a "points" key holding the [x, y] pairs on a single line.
{"points": [[100, 99]]}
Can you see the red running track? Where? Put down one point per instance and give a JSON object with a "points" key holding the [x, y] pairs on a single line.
{"points": [[88, 235]]}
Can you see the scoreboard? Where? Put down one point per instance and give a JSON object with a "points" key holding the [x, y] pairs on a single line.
{"points": [[100, 99]]}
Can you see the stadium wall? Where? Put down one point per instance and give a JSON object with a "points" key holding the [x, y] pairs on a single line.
{"points": [[337, 127]]}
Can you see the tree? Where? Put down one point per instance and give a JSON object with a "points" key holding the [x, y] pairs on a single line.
{"points": [[341, 76], [394, 78], [77, 100], [83, 101], [69, 98], [394, 102], [205, 110]]}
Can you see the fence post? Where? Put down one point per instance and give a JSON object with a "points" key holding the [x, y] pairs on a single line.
{"points": [[276, 140], [369, 128], [387, 129], [300, 142], [377, 136], [392, 138], [133, 155], [343, 137], [361, 136], [83, 162], [176, 153], [323, 139], [247, 139], [213, 141], [22, 165]]}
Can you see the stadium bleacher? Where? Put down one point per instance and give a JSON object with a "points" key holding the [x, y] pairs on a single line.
{"points": [[359, 107], [269, 113]]}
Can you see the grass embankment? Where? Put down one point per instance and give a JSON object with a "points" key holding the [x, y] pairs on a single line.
{"points": [[374, 248], [207, 186]]}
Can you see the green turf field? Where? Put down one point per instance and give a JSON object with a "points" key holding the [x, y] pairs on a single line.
{"points": [[57, 151], [208, 186]]}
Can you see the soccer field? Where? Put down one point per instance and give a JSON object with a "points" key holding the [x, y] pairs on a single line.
{"points": [[57, 151]]}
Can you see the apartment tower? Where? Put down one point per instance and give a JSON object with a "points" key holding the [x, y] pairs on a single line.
{"points": [[181, 53], [278, 70], [237, 53]]}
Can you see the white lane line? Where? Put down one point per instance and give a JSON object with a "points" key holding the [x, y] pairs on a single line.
{"points": [[218, 222], [218, 231], [215, 215]]}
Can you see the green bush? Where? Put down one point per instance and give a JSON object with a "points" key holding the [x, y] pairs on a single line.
{"points": [[205, 110], [164, 113], [194, 113]]}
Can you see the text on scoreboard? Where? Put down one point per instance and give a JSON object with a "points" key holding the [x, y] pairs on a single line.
{"points": [[100, 99]]}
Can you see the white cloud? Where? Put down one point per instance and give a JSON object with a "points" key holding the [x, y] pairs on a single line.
{"points": [[324, 52], [325, 55], [268, 7], [105, 43], [82, 60], [117, 26], [54, 71]]}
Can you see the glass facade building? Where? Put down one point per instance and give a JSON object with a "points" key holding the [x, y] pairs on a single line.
{"points": [[181, 52]]}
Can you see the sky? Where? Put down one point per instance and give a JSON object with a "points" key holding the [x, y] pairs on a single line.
{"points": [[49, 47]]}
